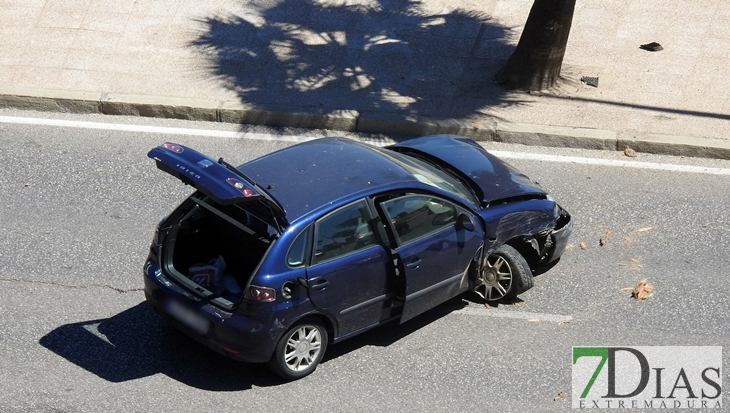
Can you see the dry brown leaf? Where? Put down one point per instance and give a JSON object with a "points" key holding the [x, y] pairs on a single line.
{"points": [[642, 291], [583, 246], [629, 152], [644, 229], [629, 240], [569, 247], [559, 396], [533, 320], [605, 237]]}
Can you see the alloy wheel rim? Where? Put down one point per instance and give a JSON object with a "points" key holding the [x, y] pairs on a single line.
{"points": [[496, 277], [303, 348]]}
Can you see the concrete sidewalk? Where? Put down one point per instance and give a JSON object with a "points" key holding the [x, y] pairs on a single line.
{"points": [[378, 66]]}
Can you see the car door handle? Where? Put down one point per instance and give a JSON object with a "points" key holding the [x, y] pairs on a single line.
{"points": [[414, 264], [320, 285]]}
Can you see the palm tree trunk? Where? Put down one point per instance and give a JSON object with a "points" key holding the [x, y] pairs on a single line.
{"points": [[536, 62]]}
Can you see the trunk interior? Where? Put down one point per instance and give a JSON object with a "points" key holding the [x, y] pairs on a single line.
{"points": [[207, 232]]}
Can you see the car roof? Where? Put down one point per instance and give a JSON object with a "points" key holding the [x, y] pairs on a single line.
{"points": [[311, 175]]}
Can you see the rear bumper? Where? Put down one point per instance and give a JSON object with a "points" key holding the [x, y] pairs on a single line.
{"points": [[239, 336]]}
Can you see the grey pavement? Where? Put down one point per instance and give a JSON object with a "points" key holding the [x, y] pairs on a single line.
{"points": [[379, 66]]}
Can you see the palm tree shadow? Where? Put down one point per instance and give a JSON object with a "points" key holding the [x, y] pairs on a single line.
{"points": [[390, 56]]}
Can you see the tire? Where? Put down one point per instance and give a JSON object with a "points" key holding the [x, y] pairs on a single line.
{"points": [[300, 350], [503, 275]]}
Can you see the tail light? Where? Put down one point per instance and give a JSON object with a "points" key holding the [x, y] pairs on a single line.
{"points": [[264, 294]]}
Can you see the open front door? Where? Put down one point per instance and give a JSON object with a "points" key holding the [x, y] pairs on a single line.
{"points": [[434, 251]]}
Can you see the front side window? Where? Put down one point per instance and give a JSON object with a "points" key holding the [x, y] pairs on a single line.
{"points": [[415, 216], [343, 232]]}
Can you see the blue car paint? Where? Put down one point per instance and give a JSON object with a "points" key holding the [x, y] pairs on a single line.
{"points": [[308, 180]]}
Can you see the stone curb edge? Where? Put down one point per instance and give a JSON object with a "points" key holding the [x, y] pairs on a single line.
{"points": [[353, 121]]}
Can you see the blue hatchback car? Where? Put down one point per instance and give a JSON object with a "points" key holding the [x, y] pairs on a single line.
{"points": [[276, 259]]}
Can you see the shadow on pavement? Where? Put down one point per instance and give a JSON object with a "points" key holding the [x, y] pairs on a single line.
{"points": [[137, 343], [389, 56]]}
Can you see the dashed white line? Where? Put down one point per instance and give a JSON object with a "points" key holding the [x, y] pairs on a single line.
{"points": [[290, 138], [521, 315]]}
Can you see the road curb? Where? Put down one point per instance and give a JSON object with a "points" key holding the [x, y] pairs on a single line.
{"points": [[352, 121]]}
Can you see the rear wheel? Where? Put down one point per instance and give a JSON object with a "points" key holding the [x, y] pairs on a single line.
{"points": [[300, 350], [504, 274]]}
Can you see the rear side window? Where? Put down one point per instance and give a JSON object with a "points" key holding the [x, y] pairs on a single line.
{"points": [[297, 252], [343, 232], [415, 216]]}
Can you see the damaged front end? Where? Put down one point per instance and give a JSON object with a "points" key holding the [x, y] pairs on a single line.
{"points": [[538, 228], [550, 243]]}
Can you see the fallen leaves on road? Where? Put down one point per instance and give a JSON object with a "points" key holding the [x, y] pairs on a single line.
{"points": [[629, 152], [629, 240], [583, 246], [605, 237], [642, 291], [559, 396], [569, 247], [644, 229]]}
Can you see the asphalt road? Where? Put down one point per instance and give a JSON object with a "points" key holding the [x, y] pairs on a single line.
{"points": [[79, 207]]}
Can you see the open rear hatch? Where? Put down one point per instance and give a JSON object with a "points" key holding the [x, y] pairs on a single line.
{"points": [[214, 242], [219, 180]]}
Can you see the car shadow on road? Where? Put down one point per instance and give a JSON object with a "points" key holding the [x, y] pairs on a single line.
{"points": [[391, 333], [137, 343]]}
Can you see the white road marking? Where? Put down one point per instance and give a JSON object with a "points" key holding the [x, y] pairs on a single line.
{"points": [[289, 138], [610, 162], [521, 315], [150, 129]]}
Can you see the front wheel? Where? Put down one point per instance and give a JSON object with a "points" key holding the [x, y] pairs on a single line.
{"points": [[504, 274], [299, 351]]}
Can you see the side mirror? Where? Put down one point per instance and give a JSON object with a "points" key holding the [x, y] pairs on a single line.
{"points": [[465, 222]]}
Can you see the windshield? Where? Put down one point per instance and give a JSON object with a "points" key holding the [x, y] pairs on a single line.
{"points": [[430, 175]]}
